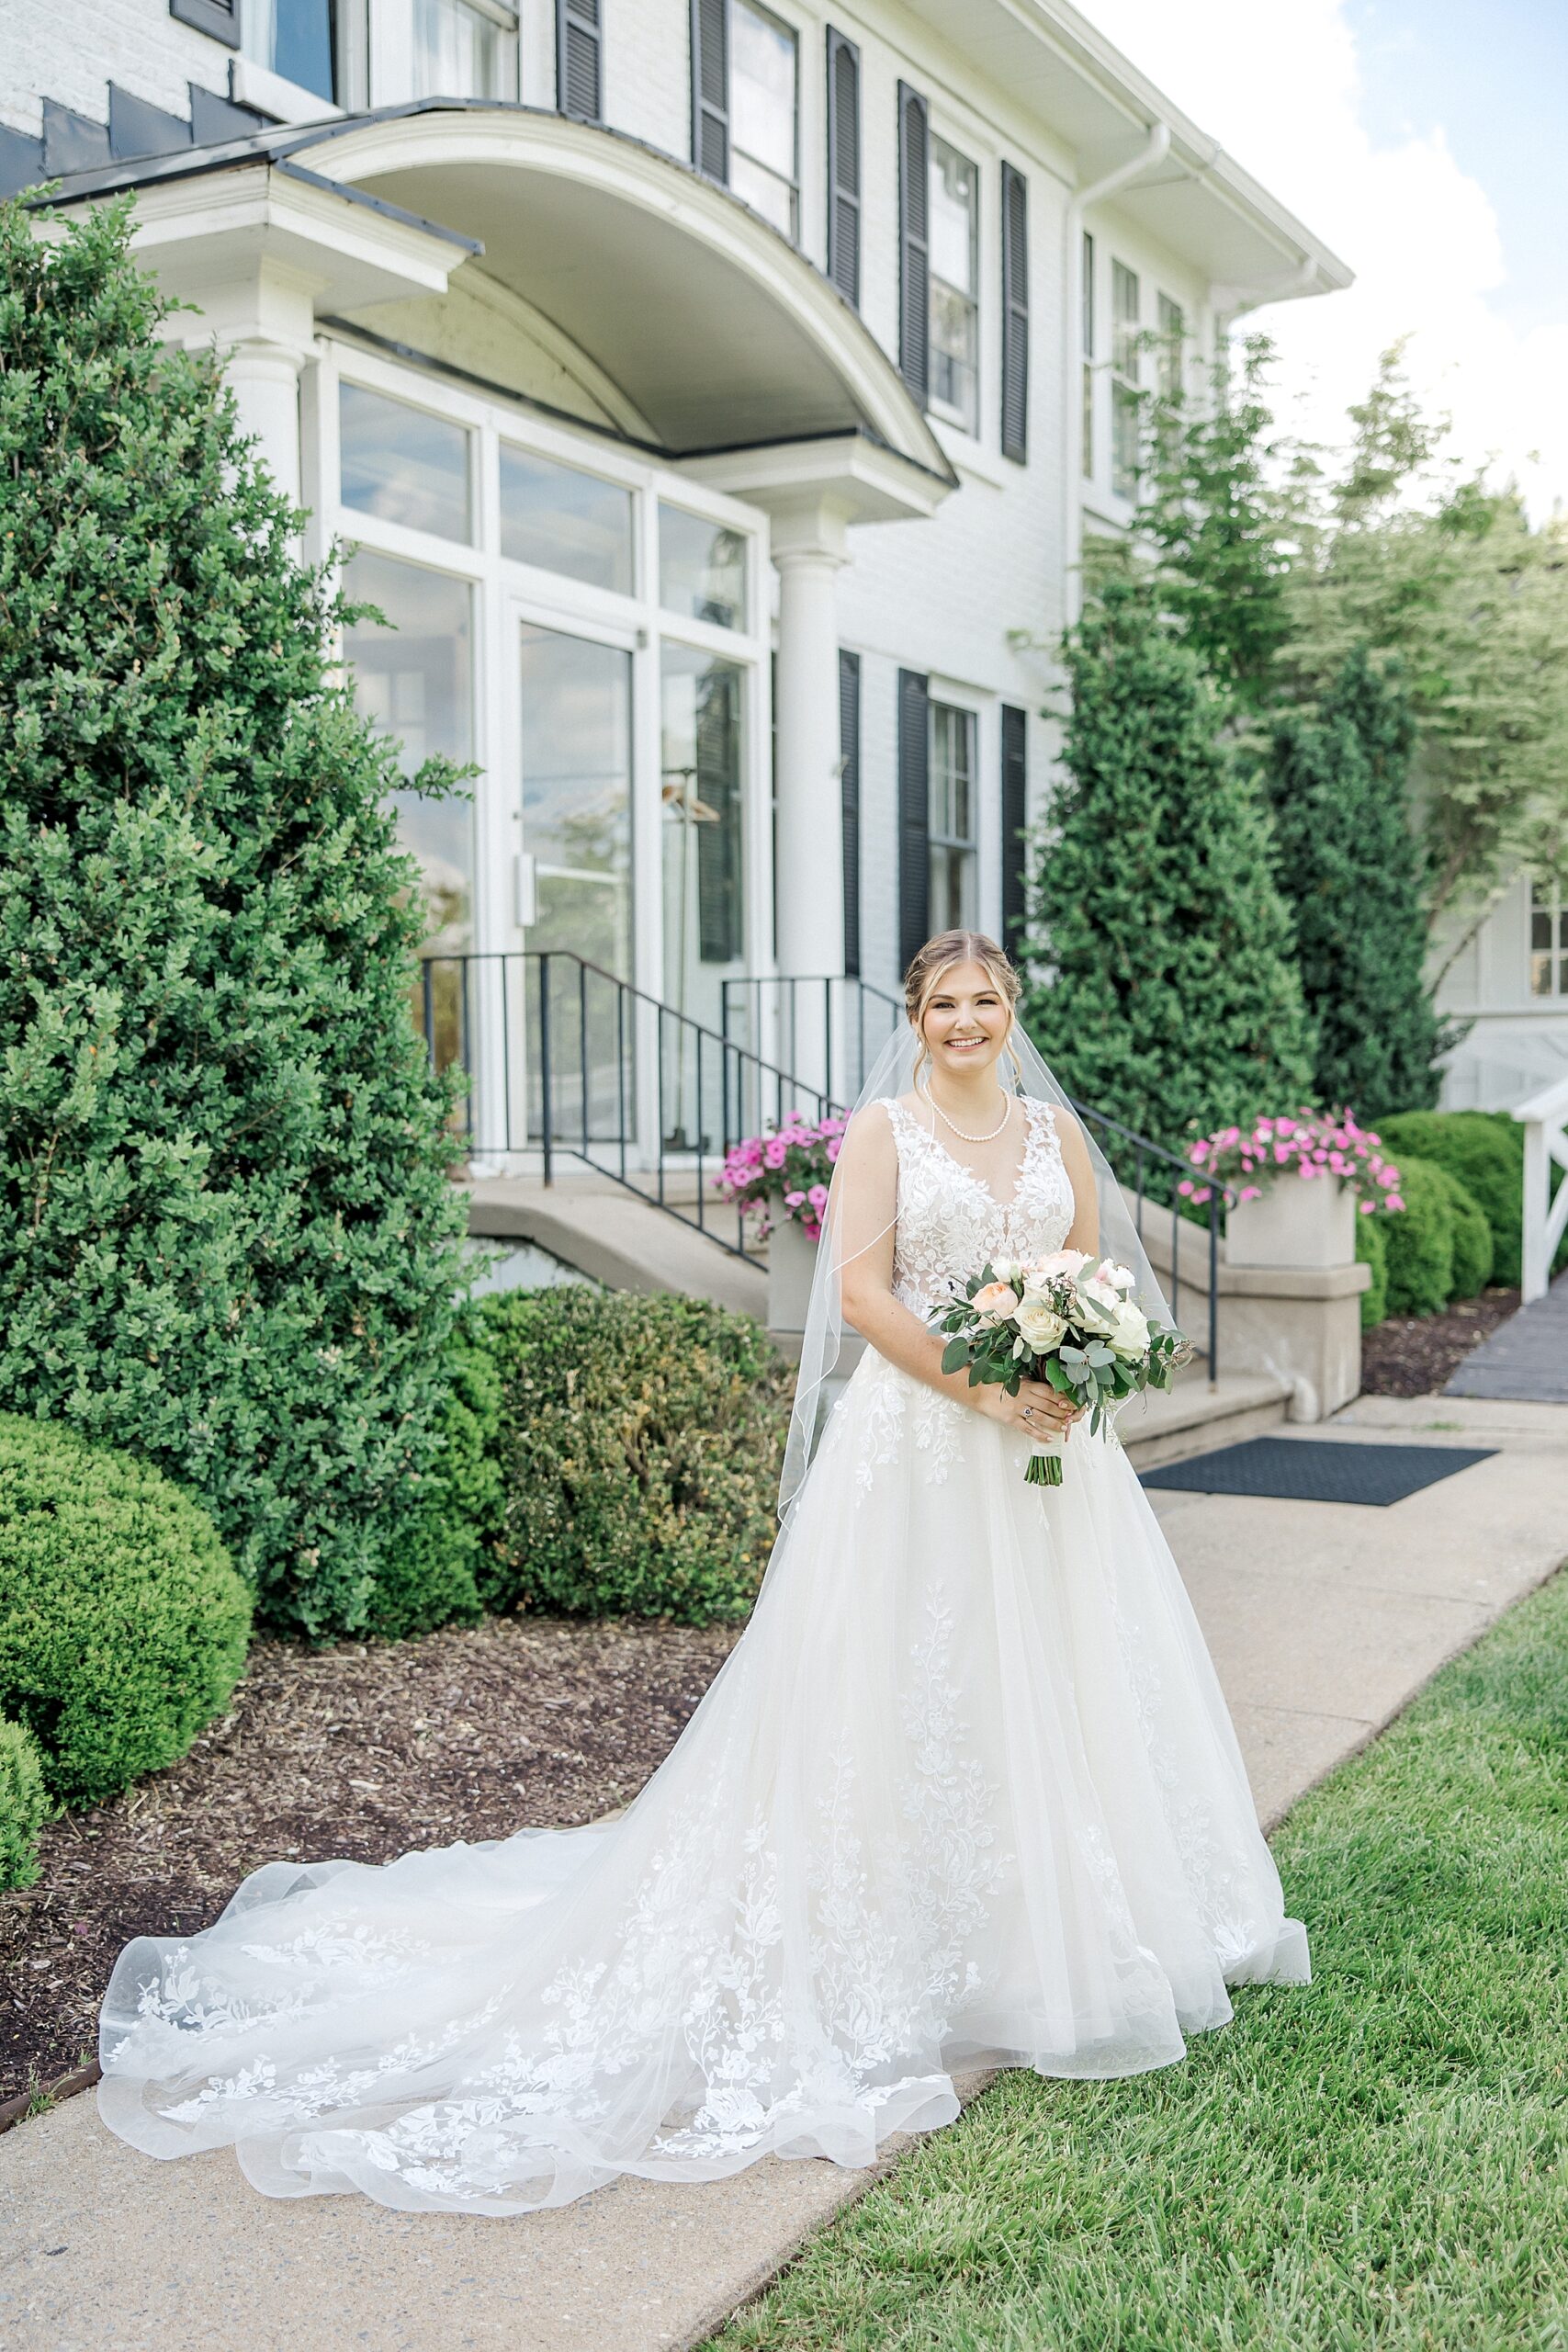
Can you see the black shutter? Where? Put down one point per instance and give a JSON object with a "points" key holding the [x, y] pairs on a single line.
{"points": [[849, 752], [843, 166], [1015, 814], [580, 86], [1015, 314], [914, 815], [718, 821], [914, 243], [710, 88], [220, 18]]}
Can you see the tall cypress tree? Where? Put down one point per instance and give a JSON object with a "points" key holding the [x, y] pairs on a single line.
{"points": [[1348, 864], [1163, 988], [227, 1240]]}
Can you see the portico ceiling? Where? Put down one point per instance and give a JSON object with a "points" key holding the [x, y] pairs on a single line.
{"points": [[715, 327]]}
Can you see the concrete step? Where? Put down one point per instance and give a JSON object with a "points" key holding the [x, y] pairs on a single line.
{"points": [[614, 1237], [1196, 1417]]}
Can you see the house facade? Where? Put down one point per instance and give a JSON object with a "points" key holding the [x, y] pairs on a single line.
{"points": [[716, 396]]}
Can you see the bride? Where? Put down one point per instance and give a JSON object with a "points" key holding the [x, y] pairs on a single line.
{"points": [[965, 1793]]}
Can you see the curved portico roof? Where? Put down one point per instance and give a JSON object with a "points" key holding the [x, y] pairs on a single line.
{"points": [[718, 330]]}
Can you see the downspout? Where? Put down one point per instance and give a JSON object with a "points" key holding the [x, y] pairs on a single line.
{"points": [[1154, 151]]}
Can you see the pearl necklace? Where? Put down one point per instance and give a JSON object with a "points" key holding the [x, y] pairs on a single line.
{"points": [[961, 1132]]}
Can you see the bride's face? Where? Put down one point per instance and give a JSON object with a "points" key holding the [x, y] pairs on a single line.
{"points": [[966, 1021]]}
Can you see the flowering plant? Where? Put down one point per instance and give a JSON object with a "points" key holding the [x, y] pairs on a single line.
{"points": [[1314, 1143], [1067, 1319], [791, 1166]]}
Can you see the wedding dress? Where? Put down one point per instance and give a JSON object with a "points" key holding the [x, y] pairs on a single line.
{"points": [[965, 1793]]}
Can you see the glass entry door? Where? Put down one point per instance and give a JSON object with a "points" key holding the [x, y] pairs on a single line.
{"points": [[575, 756]]}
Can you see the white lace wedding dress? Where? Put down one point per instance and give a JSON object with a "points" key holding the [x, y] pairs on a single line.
{"points": [[966, 1791]]}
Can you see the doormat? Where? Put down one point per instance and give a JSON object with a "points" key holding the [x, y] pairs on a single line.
{"points": [[1318, 1470]]}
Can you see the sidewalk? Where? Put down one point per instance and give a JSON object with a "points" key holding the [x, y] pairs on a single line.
{"points": [[1324, 1621]]}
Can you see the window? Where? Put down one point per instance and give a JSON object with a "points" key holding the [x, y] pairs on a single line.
{"points": [[294, 39], [701, 568], [954, 286], [955, 895], [1549, 940], [700, 796], [565, 521], [576, 763], [1126, 401], [1089, 452], [1172, 329], [762, 77], [414, 678], [462, 50], [403, 464]]}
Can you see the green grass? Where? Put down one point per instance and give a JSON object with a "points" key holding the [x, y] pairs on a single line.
{"points": [[1379, 2159]]}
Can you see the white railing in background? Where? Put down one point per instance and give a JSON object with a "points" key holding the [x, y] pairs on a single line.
{"points": [[1544, 1118]]}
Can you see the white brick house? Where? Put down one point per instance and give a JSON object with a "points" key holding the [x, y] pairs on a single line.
{"points": [[719, 435]]}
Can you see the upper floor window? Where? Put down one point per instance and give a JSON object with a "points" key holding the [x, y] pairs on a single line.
{"points": [[1126, 401], [763, 77], [296, 40], [1172, 330], [1549, 940], [954, 850], [954, 231], [463, 49]]}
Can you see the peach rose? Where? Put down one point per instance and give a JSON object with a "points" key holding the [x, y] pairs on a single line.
{"points": [[995, 1301]]}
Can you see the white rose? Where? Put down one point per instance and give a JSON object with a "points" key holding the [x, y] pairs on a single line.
{"points": [[1131, 1336], [1006, 1270], [1101, 1302], [1040, 1325], [1120, 1277]]}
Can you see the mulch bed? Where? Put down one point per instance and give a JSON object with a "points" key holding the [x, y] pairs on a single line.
{"points": [[1414, 1355], [363, 1751]]}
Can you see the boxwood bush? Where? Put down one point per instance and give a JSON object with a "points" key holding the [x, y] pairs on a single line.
{"points": [[123, 1626], [1473, 1240], [640, 1446], [1420, 1240], [432, 1577], [1485, 1151], [1371, 1249], [23, 1805]]}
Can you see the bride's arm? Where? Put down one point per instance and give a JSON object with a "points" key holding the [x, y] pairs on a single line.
{"points": [[867, 1184], [1085, 1232]]}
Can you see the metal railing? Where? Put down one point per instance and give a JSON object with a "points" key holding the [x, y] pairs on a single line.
{"points": [[565, 1061], [829, 1030]]}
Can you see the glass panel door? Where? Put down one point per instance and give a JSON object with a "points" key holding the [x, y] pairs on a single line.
{"points": [[576, 768]]}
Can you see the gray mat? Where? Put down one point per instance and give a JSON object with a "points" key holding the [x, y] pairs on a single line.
{"points": [[1318, 1470]]}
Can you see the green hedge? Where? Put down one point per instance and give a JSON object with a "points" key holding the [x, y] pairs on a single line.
{"points": [[1485, 1151], [433, 1579], [122, 1624], [1371, 1249], [640, 1446], [24, 1805], [1420, 1241], [1473, 1240]]}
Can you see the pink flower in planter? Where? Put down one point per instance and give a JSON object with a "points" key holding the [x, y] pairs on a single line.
{"points": [[775, 1152], [793, 1200], [834, 1146], [1251, 1193], [1367, 1208], [1394, 1202], [1186, 1184], [817, 1196]]}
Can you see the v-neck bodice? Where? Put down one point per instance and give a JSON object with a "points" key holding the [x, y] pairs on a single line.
{"points": [[949, 1219]]}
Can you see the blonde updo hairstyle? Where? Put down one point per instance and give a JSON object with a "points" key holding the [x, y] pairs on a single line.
{"points": [[930, 966]]}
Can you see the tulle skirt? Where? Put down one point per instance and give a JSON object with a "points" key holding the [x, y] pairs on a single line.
{"points": [[965, 1793]]}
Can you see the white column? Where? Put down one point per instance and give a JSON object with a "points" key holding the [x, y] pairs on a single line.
{"points": [[265, 378], [262, 320], [808, 544]]}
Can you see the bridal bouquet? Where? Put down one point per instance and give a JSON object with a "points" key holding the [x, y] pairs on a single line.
{"points": [[1068, 1320]]}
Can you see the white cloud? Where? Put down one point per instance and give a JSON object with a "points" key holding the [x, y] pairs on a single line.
{"points": [[1277, 83]]}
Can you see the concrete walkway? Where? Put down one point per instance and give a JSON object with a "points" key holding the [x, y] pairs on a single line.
{"points": [[1324, 1619], [1525, 1357]]}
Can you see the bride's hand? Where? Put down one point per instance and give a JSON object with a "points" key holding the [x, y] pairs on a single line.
{"points": [[1038, 1410]]}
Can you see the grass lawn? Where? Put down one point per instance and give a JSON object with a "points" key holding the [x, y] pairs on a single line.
{"points": [[1378, 2160]]}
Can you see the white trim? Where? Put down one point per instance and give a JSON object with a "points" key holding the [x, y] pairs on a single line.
{"points": [[251, 84]]}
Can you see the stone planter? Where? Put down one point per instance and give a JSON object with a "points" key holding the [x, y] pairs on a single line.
{"points": [[1298, 1221], [792, 1263]]}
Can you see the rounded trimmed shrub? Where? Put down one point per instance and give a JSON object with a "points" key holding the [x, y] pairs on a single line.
{"points": [[1485, 1151], [641, 1440], [123, 1624], [432, 1577], [24, 1805], [1472, 1241], [1420, 1241], [1371, 1249]]}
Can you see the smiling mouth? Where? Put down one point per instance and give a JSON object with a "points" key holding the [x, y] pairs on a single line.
{"points": [[963, 1045]]}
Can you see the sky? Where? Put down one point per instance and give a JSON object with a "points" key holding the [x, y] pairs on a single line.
{"points": [[1423, 142]]}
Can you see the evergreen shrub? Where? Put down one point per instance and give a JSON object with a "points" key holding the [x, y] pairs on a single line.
{"points": [[1161, 980], [1371, 1249], [641, 1442], [227, 1237], [24, 1805], [1473, 1240], [434, 1578], [1420, 1240], [1485, 1151], [123, 1626]]}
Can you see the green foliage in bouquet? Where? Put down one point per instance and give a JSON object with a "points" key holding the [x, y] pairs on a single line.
{"points": [[1349, 864], [123, 1626], [640, 1446], [227, 1240], [1163, 988], [24, 1805]]}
